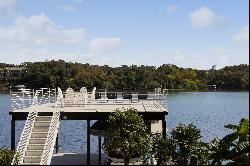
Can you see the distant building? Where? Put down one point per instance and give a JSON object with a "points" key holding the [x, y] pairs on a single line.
{"points": [[12, 72]]}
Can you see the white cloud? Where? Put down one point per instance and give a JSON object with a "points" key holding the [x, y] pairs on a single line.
{"points": [[38, 38], [221, 57], [241, 38], [104, 45], [68, 8], [205, 17], [41, 54], [72, 7], [6, 7], [172, 8], [39, 30]]}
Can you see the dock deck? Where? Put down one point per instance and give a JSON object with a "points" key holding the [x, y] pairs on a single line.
{"points": [[84, 106], [97, 110]]}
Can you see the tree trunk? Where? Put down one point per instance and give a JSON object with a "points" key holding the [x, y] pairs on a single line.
{"points": [[126, 161]]}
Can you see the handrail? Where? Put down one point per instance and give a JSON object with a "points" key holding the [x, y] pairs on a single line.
{"points": [[52, 134], [26, 133]]}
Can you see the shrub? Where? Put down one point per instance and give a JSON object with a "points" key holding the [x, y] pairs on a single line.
{"points": [[182, 147], [6, 156], [126, 137]]}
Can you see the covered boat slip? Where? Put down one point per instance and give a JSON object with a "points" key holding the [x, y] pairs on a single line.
{"points": [[95, 109]]}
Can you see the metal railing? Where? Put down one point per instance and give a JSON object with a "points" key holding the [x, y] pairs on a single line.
{"points": [[22, 98], [52, 133], [26, 133]]}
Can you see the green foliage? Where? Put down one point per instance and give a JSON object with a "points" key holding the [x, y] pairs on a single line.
{"points": [[234, 147], [164, 150], [182, 147], [6, 156], [126, 137], [65, 74]]}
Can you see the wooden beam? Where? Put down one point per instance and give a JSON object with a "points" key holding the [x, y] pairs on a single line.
{"points": [[57, 144], [13, 135], [100, 150], [88, 142], [164, 128]]}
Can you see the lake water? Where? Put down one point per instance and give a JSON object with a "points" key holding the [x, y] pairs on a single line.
{"points": [[209, 111]]}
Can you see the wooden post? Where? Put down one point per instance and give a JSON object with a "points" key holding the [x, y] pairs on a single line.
{"points": [[100, 150], [164, 128], [88, 142], [57, 144], [13, 136], [149, 126]]}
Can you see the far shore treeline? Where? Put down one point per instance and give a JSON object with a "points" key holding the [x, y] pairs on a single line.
{"points": [[76, 75]]}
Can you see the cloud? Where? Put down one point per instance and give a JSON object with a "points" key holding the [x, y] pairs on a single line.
{"points": [[37, 38], [39, 30], [241, 38], [68, 8], [6, 7], [72, 7], [104, 45], [204, 18], [41, 54], [172, 8]]}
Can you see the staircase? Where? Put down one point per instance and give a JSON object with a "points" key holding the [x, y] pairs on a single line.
{"points": [[38, 137], [37, 140]]}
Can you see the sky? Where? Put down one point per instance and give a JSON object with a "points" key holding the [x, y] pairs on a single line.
{"points": [[190, 34]]}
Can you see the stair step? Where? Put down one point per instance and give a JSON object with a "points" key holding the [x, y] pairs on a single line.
{"points": [[39, 134], [45, 113], [42, 124], [43, 118], [37, 140], [32, 159], [31, 164], [40, 129], [34, 153], [35, 146]]}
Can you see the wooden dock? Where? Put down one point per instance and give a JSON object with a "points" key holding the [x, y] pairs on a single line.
{"points": [[99, 109]]}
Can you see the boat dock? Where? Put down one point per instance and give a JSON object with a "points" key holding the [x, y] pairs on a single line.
{"points": [[44, 109]]}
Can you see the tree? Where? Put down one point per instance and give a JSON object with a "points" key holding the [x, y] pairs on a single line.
{"points": [[182, 147], [234, 147], [127, 137]]}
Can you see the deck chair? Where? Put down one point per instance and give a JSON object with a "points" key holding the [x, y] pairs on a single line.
{"points": [[111, 94], [69, 96], [127, 94], [143, 94], [82, 97], [92, 98]]}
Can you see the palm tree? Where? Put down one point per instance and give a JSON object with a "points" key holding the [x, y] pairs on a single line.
{"points": [[234, 147]]}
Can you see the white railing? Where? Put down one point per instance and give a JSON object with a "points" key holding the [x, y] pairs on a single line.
{"points": [[26, 133], [22, 98], [52, 134], [47, 95]]}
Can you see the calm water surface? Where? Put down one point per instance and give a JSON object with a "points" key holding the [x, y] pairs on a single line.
{"points": [[209, 111]]}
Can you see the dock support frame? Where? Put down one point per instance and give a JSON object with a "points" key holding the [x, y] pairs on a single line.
{"points": [[88, 142], [100, 150], [13, 133], [164, 128]]}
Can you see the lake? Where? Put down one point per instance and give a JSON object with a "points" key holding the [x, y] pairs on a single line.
{"points": [[209, 111]]}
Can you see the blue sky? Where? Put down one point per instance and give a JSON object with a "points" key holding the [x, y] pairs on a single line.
{"points": [[192, 33]]}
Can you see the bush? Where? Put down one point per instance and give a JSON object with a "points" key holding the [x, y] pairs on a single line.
{"points": [[234, 147], [126, 137], [6, 156], [182, 147]]}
